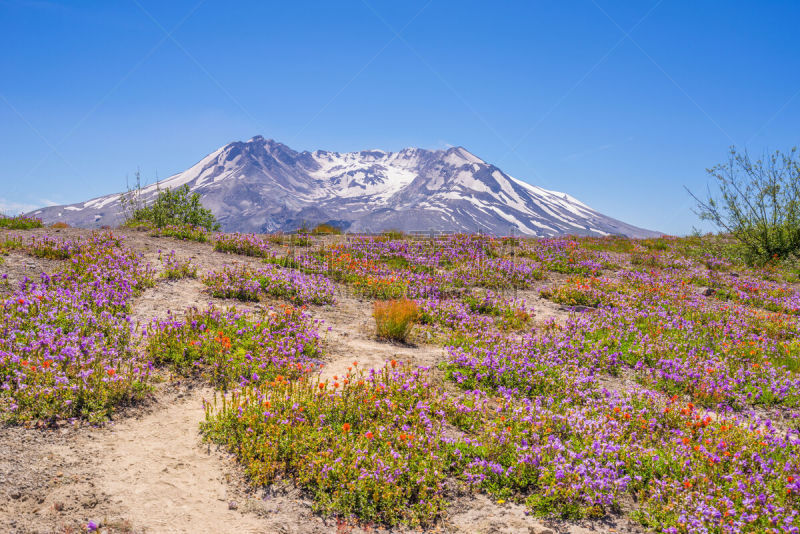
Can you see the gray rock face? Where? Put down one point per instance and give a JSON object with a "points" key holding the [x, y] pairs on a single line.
{"points": [[262, 186]]}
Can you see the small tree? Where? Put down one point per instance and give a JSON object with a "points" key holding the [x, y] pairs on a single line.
{"points": [[177, 207], [758, 203]]}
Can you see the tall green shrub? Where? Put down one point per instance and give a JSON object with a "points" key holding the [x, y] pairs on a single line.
{"points": [[176, 207], [758, 203]]}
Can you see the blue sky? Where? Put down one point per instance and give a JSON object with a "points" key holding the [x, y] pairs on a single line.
{"points": [[620, 104]]}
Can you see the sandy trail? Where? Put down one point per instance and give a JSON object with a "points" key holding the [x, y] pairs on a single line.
{"points": [[157, 468], [156, 471]]}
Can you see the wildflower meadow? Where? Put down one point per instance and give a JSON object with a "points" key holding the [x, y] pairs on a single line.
{"points": [[655, 380]]}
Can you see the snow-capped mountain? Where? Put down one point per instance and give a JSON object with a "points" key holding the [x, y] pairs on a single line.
{"points": [[262, 186]]}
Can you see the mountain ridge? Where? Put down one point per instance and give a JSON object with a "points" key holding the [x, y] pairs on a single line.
{"points": [[262, 185]]}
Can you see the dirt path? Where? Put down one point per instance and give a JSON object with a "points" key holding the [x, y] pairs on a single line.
{"points": [[157, 469]]}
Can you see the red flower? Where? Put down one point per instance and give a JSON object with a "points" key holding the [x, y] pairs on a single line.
{"points": [[346, 428], [368, 435], [110, 372]]}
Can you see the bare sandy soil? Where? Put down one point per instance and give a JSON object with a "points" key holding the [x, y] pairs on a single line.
{"points": [[150, 471]]}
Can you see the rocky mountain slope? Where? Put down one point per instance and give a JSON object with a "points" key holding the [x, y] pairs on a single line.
{"points": [[262, 186]]}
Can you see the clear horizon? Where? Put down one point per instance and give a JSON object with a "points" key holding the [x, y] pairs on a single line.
{"points": [[619, 105]]}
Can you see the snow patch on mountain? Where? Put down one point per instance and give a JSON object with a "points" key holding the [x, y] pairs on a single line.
{"points": [[262, 185]]}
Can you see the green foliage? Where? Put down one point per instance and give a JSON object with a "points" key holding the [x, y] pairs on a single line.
{"points": [[758, 203], [20, 222], [184, 232], [655, 244], [244, 244], [177, 208], [286, 262]]}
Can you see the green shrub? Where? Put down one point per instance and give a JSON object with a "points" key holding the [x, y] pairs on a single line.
{"points": [[177, 208], [758, 203]]}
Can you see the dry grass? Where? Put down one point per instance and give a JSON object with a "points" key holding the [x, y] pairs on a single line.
{"points": [[394, 318]]}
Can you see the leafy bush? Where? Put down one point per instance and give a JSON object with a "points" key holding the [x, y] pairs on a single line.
{"points": [[20, 222], [176, 207], [758, 203], [512, 314], [394, 318], [379, 287]]}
